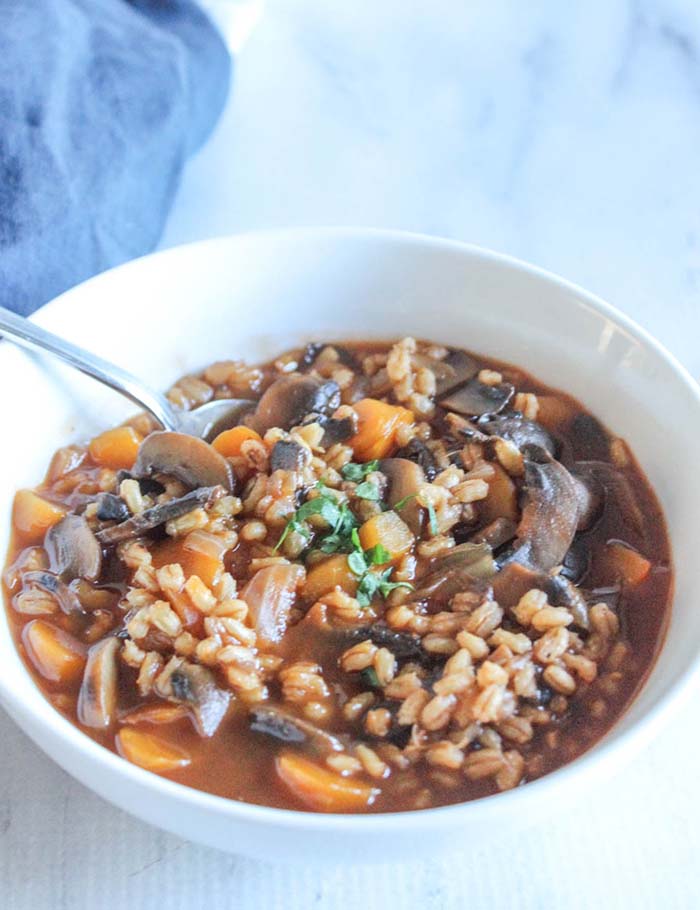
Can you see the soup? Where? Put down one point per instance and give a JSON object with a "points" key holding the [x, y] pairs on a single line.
{"points": [[411, 576]]}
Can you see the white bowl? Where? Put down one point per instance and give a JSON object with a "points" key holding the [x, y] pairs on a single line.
{"points": [[254, 295]]}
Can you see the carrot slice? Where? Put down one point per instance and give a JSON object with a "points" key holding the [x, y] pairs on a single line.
{"points": [[322, 789], [378, 423], [325, 576], [115, 448], [390, 531], [151, 752], [56, 655], [627, 564], [33, 516], [230, 441], [155, 714], [200, 553]]}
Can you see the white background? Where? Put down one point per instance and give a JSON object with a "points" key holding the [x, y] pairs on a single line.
{"points": [[564, 133]]}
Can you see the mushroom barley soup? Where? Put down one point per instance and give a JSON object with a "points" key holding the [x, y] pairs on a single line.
{"points": [[409, 577]]}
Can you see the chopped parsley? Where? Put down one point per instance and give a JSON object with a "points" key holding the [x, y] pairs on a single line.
{"points": [[362, 563], [402, 502], [337, 516], [358, 472], [343, 535], [369, 678], [367, 490], [432, 519]]}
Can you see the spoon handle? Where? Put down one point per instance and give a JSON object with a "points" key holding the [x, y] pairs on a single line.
{"points": [[27, 334]]}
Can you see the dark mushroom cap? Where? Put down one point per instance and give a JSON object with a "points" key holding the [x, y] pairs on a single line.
{"points": [[97, 700], [73, 549], [194, 686], [405, 478], [290, 399], [519, 430], [416, 450], [288, 728], [158, 515], [453, 370], [551, 512], [187, 458], [65, 596], [468, 567], [288, 455], [474, 399]]}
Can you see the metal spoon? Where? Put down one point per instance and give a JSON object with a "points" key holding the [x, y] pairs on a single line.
{"points": [[203, 421]]}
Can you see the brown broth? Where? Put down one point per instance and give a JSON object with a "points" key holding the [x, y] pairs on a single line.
{"points": [[239, 764]]}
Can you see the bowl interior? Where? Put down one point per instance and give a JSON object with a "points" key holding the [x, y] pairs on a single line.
{"points": [[254, 296]]}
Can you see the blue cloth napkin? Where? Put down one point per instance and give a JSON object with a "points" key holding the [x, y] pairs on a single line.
{"points": [[101, 102]]}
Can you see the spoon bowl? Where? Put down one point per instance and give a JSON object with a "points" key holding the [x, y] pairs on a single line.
{"points": [[205, 421]]}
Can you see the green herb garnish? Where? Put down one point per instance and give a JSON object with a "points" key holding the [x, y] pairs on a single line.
{"points": [[369, 678], [402, 502], [367, 490], [432, 519], [358, 472], [336, 515], [372, 583], [362, 562]]}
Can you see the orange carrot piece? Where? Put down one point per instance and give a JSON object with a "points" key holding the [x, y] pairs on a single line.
{"points": [[325, 576], [378, 423], [33, 516], [150, 752], [230, 441], [626, 564], [199, 553], [322, 789], [390, 531], [115, 448], [158, 713], [56, 655]]}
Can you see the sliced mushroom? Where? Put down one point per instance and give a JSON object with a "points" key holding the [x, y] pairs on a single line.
{"points": [[513, 581], [191, 460], [550, 514], [73, 549], [468, 567], [498, 532], [590, 495], [66, 598], [97, 700], [111, 508], [288, 455], [417, 451], [289, 399], [474, 399], [287, 728], [338, 429], [270, 595], [401, 644], [195, 686], [562, 593], [158, 515], [453, 370], [405, 479], [577, 561], [519, 430], [618, 490]]}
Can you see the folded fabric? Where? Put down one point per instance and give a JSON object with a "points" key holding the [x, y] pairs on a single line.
{"points": [[101, 102]]}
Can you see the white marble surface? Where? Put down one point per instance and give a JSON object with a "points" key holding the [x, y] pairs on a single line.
{"points": [[564, 133]]}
